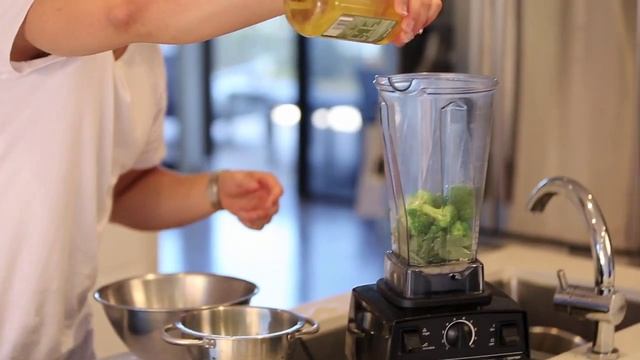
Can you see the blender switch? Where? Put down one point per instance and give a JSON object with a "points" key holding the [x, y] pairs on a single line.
{"points": [[411, 340], [509, 335]]}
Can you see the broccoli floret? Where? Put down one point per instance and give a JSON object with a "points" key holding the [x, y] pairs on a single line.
{"points": [[459, 244], [435, 240], [440, 227], [463, 198], [435, 233], [419, 223], [460, 230], [424, 197], [444, 217]]}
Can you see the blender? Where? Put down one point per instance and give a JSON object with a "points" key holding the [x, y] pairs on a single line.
{"points": [[433, 301]]}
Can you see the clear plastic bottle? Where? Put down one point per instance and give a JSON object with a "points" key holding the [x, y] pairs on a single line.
{"points": [[368, 21]]}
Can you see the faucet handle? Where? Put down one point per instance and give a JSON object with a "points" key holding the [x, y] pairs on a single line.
{"points": [[562, 280]]}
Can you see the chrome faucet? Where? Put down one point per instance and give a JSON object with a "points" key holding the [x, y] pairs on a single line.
{"points": [[601, 304]]}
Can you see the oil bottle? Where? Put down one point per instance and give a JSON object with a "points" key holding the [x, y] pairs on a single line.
{"points": [[368, 21]]}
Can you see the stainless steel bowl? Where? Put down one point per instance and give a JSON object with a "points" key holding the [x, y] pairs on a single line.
{"points": [[239, 333], [546, 342], [140, 307]]}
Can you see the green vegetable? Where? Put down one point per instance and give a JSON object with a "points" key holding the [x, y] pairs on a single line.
{"points": [[419, 222], [440, 227], [460, 230], [443, 217], [463, 198]]}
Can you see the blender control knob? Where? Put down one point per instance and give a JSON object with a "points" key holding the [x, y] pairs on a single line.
{"points": [[459, 334]]}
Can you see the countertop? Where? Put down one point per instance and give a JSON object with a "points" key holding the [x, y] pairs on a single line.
{"points": [[535, 264]]}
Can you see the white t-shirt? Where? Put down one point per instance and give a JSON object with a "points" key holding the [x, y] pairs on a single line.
{"points": [[69, 127]]}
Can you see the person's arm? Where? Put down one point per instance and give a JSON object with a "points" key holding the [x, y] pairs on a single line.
{"points": [[158, 198], [84, 27]]}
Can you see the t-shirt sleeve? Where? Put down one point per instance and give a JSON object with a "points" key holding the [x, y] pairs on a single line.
{"points": [[12, 15], [155, 149]]}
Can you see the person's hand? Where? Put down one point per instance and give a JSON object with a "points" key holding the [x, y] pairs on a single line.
{"points": [[418, 15], [251, 196]]}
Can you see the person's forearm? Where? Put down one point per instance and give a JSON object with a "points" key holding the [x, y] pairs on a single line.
{"points": [[82, 27], [160, 199]]}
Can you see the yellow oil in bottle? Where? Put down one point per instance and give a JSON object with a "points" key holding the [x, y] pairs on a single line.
{"points": [[368, 21]]}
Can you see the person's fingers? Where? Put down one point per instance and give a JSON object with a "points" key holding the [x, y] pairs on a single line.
{"points": [[275, 189], [236, 183], [260, 214], [252, 225], [432, 13], [421, 13], [402, 7]]}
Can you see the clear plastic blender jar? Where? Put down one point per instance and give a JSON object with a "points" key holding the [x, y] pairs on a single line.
{"points": [[437, 131]]}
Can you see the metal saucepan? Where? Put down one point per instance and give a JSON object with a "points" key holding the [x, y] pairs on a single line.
{"points": [[239, 333], [140, 307]]}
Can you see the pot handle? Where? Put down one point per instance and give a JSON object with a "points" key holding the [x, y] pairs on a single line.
{"points": [[308, 331], [167, 337]]}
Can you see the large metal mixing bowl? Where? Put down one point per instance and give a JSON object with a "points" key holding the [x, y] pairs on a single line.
{"points": [[140, 307]]}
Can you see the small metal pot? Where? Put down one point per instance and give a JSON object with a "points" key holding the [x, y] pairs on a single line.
{"points": [[239, 333], [139, 308]]}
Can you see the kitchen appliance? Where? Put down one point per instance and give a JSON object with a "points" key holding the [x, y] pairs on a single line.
{"points": [[433, 302], [239, 333], [139, 308]]}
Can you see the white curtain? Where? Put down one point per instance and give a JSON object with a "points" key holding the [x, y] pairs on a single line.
{"points": [[567, 105], [488, 33]]}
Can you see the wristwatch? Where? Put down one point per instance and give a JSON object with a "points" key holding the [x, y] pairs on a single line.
{"points": [[213, 190]]}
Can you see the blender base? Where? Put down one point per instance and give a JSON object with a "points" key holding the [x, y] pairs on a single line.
{"points": [[378, 330], [434, 300], [410, 286]]}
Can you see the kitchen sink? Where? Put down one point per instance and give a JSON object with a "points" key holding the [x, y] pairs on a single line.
{"points": [[552, 332], [537, 300]]}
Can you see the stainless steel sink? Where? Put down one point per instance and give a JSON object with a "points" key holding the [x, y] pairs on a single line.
{"points": [[552, 332], [537, 300]]}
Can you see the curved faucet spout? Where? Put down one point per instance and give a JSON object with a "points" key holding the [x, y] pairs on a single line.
{"points": [[601, 249]]}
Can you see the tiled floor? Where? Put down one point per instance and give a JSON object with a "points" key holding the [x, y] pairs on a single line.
{"points": [[310, 250]]}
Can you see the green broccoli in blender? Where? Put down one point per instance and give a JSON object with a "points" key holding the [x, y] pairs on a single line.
{"points": [[463, 198], [440, 227], [460, 230]]}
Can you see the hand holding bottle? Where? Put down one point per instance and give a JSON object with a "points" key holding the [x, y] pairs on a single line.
{"points": [[418, 14], [372, 21]]}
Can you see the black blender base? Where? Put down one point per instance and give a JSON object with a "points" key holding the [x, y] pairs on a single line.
{"points": [[435, 300], [379, 330]]}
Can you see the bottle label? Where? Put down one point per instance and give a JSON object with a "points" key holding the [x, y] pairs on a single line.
{"points": [[360, 28]]}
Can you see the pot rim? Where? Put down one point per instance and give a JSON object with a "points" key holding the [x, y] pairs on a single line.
{"points": [[151, 276], [204, 336]]}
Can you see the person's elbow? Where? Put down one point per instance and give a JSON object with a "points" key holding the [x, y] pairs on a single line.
{"points": [[125, 17], [78, 29]]}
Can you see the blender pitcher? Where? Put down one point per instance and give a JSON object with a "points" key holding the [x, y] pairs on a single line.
{"points": [[437, 130]]}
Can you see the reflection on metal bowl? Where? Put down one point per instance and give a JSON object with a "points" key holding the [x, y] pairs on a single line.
{"points": [[139, 308], [547, 342], [239, 333]]}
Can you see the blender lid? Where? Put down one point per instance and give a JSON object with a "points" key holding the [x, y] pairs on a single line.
{"points": [[436, 83]]}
